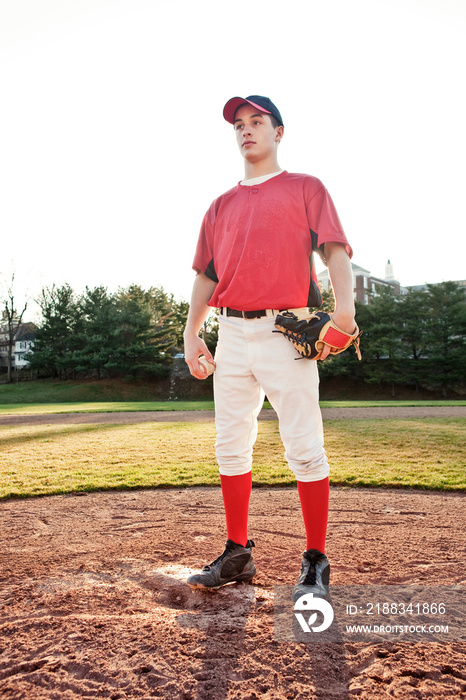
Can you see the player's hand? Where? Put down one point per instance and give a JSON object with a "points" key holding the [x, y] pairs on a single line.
{"points": [[346, 322], [194, 346]]}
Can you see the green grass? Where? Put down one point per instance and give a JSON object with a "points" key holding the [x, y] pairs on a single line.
{"points": [[134, 406], [392, 402], [46, 396], [105, 407], [85, 391], [52, 459], [119, 406]]}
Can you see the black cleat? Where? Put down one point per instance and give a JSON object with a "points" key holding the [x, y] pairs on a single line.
{"points": [[315, 575], [235, 564]]}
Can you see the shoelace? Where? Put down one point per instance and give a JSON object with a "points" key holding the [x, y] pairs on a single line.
{"points": [[216, 561], [228, 548], [310, 578]]}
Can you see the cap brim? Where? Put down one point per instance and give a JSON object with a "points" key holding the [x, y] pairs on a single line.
{"points": [[232, 105]]}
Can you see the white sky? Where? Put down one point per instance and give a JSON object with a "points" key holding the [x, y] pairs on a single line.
{"points": [[113, 143]]}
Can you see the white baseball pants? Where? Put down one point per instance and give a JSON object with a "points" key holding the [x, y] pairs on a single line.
{"points": [[252, 362]]}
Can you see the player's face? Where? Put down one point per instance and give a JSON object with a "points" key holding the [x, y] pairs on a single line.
{"points": [[257, 138]]}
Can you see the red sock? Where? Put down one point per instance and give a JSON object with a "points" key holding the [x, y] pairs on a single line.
{"points": [[314, 505], [236, 491]]}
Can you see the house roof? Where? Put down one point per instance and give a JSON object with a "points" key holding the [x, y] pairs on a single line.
{"points": [[26, 331]]}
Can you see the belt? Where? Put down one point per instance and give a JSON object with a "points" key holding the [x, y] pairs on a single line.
{"points": [[226, 311]]}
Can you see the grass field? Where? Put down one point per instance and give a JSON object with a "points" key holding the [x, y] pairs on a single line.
{"points": [[54, 391], [104, 407], [134, 406], [52, 459], [48, 396]]}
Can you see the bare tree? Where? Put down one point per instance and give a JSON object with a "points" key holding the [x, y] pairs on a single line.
{"points": [[12, 320]]}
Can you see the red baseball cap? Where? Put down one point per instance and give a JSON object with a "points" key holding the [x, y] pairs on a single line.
{"points": [[263, 104]]}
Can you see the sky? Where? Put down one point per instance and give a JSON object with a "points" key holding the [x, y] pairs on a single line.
{"points": [[113, 143]]}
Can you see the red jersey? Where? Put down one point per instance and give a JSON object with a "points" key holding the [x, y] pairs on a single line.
{"points": [[257, 242]]}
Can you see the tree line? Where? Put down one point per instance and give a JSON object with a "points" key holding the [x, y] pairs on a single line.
{"points": [[132, 332], [417, 339]]}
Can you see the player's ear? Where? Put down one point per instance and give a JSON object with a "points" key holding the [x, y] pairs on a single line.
{"points": [[279, 131]]}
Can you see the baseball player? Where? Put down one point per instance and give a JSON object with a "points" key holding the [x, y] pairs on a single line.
{"points": [[254, 259]]}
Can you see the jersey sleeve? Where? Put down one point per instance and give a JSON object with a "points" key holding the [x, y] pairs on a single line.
{"points": [[324, 223], [204, 255]]}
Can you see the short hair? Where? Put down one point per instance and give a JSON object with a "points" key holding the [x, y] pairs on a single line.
{"points": [[274, 121]]}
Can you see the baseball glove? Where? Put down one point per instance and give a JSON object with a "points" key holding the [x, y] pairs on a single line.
{"points": [[310, 333]]}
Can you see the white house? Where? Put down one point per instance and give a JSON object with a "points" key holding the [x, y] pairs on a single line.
{"points": [[24, 342]]}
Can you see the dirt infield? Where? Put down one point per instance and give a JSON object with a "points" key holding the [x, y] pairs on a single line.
{"points": [[93, 601], [266, 414]]}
